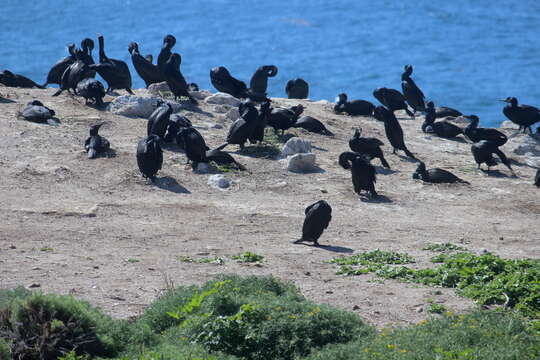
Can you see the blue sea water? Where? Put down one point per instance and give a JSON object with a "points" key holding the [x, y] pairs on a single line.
{"points": [[466, 54]]}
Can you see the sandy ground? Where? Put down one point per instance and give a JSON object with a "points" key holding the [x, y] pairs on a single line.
{"points": [[97, 230]]}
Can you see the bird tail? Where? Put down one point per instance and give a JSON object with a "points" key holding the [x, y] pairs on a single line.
{"points": [[58, 92], [464, 182], [384, 162], [504, 159], [327, 132], [221, 147]]}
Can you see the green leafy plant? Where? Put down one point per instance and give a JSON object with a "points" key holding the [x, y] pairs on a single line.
{"points": [[444, 247], [248, 257], [436, 308]]}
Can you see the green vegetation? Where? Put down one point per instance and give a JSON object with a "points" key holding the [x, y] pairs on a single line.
{"points": [[249, 318], [132, 260], [271, 146], [204, 260], [445, 247], [436, 308], [487, 278], [248, 257], [372, 261], [46, 249]]}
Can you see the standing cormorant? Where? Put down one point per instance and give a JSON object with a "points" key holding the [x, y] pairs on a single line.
{"points": [[522, 115], [475, 134], [370, 147], [257, 135], [363, 173], [114, 72], [194, 146], [55, 73], [411, 92], [483, 153], [165, 53], [75, 73], [159, 119], [149, 156], [318, 217], [259, 82], [297, 89], [393, 129], [354, 107], [146, 70], [176, 81], [392, 99], [242, 128], [91, 88]]}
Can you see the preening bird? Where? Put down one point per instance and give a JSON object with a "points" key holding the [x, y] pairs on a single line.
{"points": [[353, 107], [114, 72], [149, 156], [476, 134], [412, 93], [318, 217], [483, 154], [363, 173], [443, 128], [368, 146], [96, 144], [435, 175]]}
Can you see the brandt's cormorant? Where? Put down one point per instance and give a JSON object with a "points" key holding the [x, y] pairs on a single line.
{"points": [[149, 156], [223, 158], [165, 53], [159, 120], [242, 128], [522, 115], [312, 125], [483, 153], [75, 73], [96, 144], [411, 92], [392, 99], [370, 147], [55, 74], [297, 89], [176, 81], [393, 129], [10, 79], [354, 107], [443, 111], [87, 45], [537, 178], [475, 134], [147, 71], [224, 82], [257, 135], [284, 118], [318, 217], [363, 173], [443, 128], [114, 72], [259, 82], [176, 123], [35, 111], [91, 88], [435, 175], [194, 146]]}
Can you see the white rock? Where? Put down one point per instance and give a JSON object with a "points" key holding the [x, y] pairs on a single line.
{"points": [[524, 144], [222, 98], [508, 125], [233, 114], [200, 95], [295, 145], [219, 181], [138, 106], [304, 162], [158, 88]]}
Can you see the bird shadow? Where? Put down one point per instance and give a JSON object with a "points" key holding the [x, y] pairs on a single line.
{"points": [[170, 184], [384, 171], [172, 147], [406, 158], [497, 174], [337, 249], [457, 139], [315, 170], [519, 163], [379, 199], [109, 153], [266, 151], [319, 148], [6, 101]]}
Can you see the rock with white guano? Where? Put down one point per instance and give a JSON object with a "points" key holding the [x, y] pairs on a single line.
{"points": [[304, 162], [295, 145], [137, 106], [157, 89], [219, 181], [524, 144], [222, 98]]}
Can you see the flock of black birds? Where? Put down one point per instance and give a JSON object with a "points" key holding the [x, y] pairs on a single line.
{"points": [[77, 71]]}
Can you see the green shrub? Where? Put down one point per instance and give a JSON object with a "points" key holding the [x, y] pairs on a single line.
{"points": [[482, 335], [47, 326], [5, 352], [8, 296], [261, 318], [248, 257]]}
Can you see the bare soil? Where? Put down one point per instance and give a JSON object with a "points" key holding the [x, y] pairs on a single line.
{"points": [[96, 229]]}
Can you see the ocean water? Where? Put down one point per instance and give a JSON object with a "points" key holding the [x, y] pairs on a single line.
{"points": [[466, 54]]}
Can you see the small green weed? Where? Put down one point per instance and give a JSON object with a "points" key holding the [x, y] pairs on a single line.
{"points": [[132, 260], [248, 257], [445, 247], [436, 309], [204, 260], [372, 261], [46, 249]]}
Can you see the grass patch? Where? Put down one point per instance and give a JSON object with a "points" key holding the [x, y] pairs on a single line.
{"points": [[46, 249], [436, 308], [370, 261], [204, 260], [248, 257], [132, 260], [487, 279], [444, 247], [271, 146]]}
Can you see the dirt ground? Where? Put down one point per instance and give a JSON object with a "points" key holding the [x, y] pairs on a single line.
{"points": [[97, 230]]}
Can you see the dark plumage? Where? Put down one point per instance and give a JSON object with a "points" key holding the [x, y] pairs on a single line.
{"points": [[435, 175], [176, 81], [363, 173], [159, 120], [393, 129], [318, 217], [443, 111], [223, 158], [96, 144], [149, 156], [91, 88], [354, 107], [411, 92], [522, 115], [537, 178], [475, 134], [147, 71], [257, 135], [312, 125], [114, 72], [165, 53], [483, 153], [242, 128], [176, 123], [370, 147], [55, 73], [194, 145], [443, 128], [259, 82], [223, 81], [87, 45], [297, 89], [75, 73], [35, 111], [284, 118], [392, 99], [15, 80]]}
